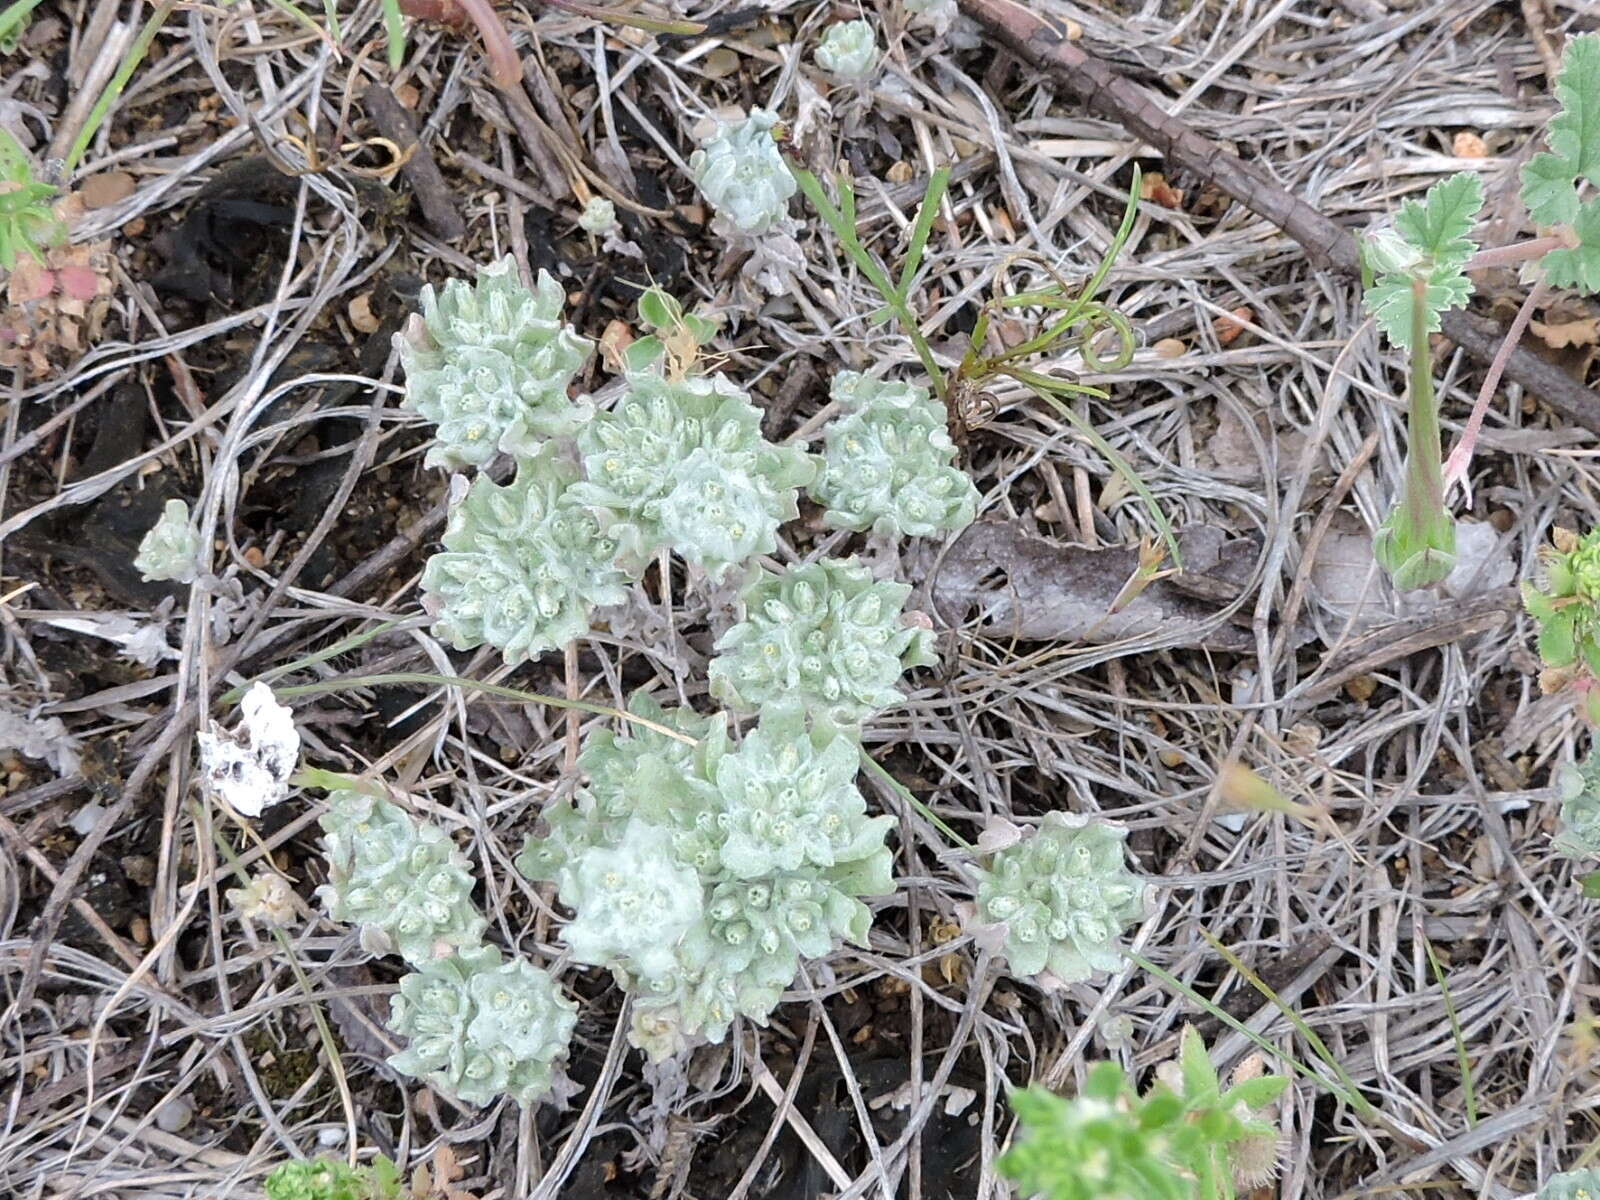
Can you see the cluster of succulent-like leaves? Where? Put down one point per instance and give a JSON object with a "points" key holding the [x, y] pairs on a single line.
{"points": [[703, 874], [681, 464], [1551, 180], [171, 550], [1580, 809], [848, 51], [889, 465], [490, 364], [1572, 1185], [741, 171], [480, 1027], [940, 14], [403, 881], [1567, 607], [1185, 1139], [825, 635], [523, 565], [1064, 895]]}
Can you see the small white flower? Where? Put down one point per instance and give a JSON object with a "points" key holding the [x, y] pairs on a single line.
{"points": [[599, 216], [249, 768]]}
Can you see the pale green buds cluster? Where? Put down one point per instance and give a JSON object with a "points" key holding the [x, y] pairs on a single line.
{"points": [[598, 216], [848, 51], [1567, 608], [703, 874], [402, 881], [889, 465], [1064, 896], [741, 172], [681, 464], [825, 635], [1572, 1185], [940, 14], [523, 565], [490, 364], [480, 1028], [170, 552], [1580, 809]]}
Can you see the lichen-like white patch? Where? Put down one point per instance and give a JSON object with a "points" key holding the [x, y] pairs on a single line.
{"points": [[248, 768]]}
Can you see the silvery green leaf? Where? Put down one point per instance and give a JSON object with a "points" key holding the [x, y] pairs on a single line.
{"points": [[171, 550]]}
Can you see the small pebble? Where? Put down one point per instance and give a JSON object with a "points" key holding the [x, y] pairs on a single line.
{"points": [[86, 818], [175, 1115], [330, 1136]]}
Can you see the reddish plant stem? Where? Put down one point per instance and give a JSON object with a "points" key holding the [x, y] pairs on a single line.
{"points": [[1460, 459], [1516, 253], [497, 45]]}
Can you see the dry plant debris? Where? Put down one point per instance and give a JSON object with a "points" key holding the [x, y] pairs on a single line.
{"points": [[222, 331]]}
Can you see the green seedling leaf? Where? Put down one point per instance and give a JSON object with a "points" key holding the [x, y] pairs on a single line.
{"points": [[1578, 267], [1591, 885], [1417, 543], [1575, 131], [1430, 244], [1548, 190]]}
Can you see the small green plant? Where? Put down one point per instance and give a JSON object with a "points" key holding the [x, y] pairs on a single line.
{"points": [[490, 364], [681, 464], [1418, 270], [889, 465], [1185, 1139], [741, 173], [703, 874], [28, 223], [329, 1179], [1572, 1185], [402, 880], [1566, 610], [1580, 808], [170, 552], [849, 51], [524, 565], [481, 1027], [826, 635], [1063, 895]]}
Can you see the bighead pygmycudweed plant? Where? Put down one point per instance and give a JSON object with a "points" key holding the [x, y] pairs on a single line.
{"points": [[171, 550], [1573, 1185]]}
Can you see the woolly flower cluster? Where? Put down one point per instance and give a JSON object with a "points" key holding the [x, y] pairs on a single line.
{"points": [[889, 465], [703, 874], [523, 565], [1063, 896], [848, 51], [1580, 809], [741, 172], [824, 635], [490, 363], [681, 463], [170, 552], [1573, 1185], [479, 1027]]}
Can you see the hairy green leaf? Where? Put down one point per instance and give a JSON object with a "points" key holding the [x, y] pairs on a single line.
{"points": [[1548, 190], [1439, 224], [1575, 131], [1435, 229], [1392, 299], [1578, 267]]}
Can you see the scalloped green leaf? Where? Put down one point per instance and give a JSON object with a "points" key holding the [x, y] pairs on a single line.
{"points": [[1548, 190], [1439, 224], [1578, 267], [1574, 132]]}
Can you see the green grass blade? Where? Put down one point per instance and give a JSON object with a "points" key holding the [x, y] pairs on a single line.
{"points": [[1462, 1060], [119, 81], [920, 231], [394, 29], [343, 646], [14, 16], [879, 773]]}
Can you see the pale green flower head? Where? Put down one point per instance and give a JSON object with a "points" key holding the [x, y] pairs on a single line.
{"points": [[481, 1028], [848, 51], [170, 552], [490, 363], [1573, 1185], [403, 881], [523, 565], [790, 802], [599, 216], [825, 635], [889, 464], [681, 464], [1580, 809], [743, 175], [1567, 608], [1064, 895], [632, 903]]}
